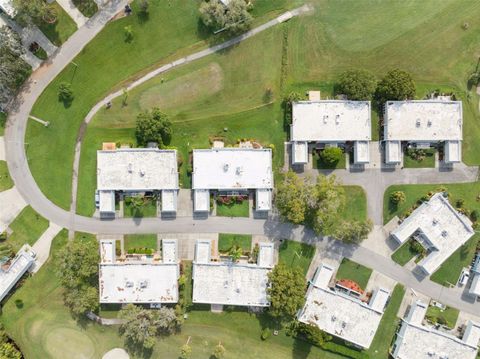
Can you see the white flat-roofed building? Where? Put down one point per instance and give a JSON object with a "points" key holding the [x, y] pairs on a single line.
{"points": [[137, 170], [22, 262], [475, 285], [7, 7], [228, 283], [234, 170], [330, 122], [201, 200], [142, 280], [438, 227], [339, 314], [414, 340], [424, 123]]}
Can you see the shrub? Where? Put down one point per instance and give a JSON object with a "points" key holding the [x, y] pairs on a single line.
{"points": [[331, 155], [65, 92], [397, 197], [475, 215], [128, 31], [266, 333], [460, 203]]}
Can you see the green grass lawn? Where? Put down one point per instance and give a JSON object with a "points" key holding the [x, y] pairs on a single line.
{"points": [[295, 254], [61, 30], [228, 240], [5, 179], [356, 208], [27, 228], [404, 253], [140, 241], [42, 326], [354, 271], [148, 209], [234, 210], [318, 163], [379, 349], [448, 317], [427, 162]]}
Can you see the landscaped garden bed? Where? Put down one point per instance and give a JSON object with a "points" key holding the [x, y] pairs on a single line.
{"points": [[419, 158], [407, 251], [227, 240], [355, 272], [140, 243], [233, 206], [320, 162], [138, 207], [296, 254], [446, 317]]}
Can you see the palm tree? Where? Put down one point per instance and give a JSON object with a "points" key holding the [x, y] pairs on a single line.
{"points": [[235, 253]]}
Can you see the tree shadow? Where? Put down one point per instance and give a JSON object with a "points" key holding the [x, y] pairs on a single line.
{"points": [[301, 349], [143, 17]]}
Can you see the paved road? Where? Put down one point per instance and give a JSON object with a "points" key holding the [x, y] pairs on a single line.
{"points": [[18, 167], [376, 181]]}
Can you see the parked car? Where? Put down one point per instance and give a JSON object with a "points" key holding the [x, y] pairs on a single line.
{"points": [[464, 277], [97, 199]]}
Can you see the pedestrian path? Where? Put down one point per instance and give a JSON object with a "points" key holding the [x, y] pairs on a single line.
{"points": [[2, 149], [11, 204], [73, 12], [43, 244]]}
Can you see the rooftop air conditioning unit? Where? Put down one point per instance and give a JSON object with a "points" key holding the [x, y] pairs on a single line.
{"points": [[143, 284], [129, 168], [225, 167], [129, 284], [417, 123], [429, 123], [444, 233]]}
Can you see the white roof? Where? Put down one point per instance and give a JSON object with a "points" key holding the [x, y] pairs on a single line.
{"points": [[169, 200], [299, 152], [428, 120], [232, 169], [338, 314], [107, 251], [169, 250], [7, 7], [417, 312], [131, 282], [421, 342], [361, 152], [393, 152], [263, 199], [331, 121], [201, 200], [266, 255], [230, 284], [203, 251], [107, 201], [475, 287], [138, 169], [472, 333], [442, 228], [453, 151], [379, 299], [18, 267]]}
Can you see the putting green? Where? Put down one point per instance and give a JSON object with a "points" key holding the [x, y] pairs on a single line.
{"points": [[69, 343]]}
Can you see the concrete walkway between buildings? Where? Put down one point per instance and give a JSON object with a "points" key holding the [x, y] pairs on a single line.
{"points": [[162, 69], [73, 12], [11, 204], [43, 244], [2, 149]]}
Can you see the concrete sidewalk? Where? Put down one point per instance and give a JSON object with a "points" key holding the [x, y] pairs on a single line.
{"points": [[43, 244], [11, 204], [73, 12], [2, 149]]}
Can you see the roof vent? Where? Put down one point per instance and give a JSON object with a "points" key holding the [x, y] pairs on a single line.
{"points": [[143, 284], [418, 123], [129, 168], [225, 167], [429, 123], [444, 234], [334, 318], [337, 119], [435, 221], [239, 170], [142, 173], [325, 118], [129, 284]]}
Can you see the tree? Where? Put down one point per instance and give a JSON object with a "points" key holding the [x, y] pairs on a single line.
{"points": [[30, 11], [233, 17], [235, 253], [13, 69], [353, 231], [357, 85], [397, 197], [327, 202], [8, 351], [153, 126], [186, 351], [141, 325], [65, 92], [313, 334], [397, 85], [286, 292], [78, 271], [290, 198], [331, 155], [219, 351]]}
